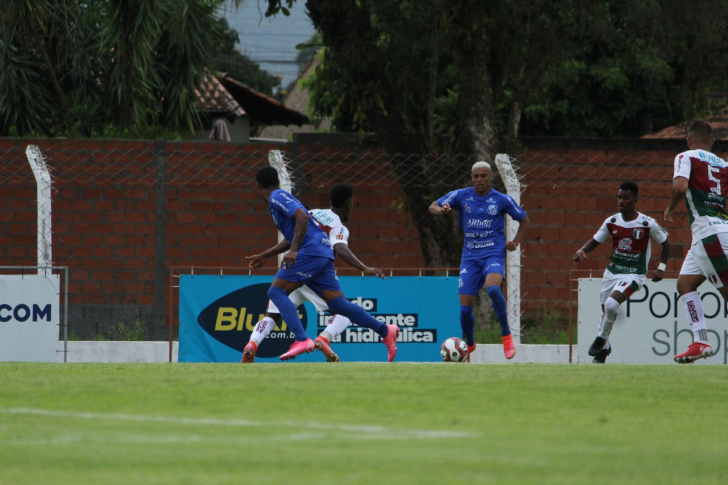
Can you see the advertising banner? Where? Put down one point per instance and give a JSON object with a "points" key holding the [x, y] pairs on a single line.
{"points": [[651, 327], [217, 315], [29, 317]]}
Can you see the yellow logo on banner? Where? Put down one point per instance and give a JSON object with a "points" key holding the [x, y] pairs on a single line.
{"points": [[229, 318]]}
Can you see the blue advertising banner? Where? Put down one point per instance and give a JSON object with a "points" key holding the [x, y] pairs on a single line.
{"points": [[217, 315]]}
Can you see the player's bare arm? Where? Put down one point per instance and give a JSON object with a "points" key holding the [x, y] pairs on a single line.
{"points": [[257, 259], [660, 272], [301, 218], [345, 253], [436, 209], [586, 248], [522, 228], [679, 187]]}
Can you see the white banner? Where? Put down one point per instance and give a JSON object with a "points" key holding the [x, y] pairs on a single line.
{"points": [[29, 317], [651, 327]]}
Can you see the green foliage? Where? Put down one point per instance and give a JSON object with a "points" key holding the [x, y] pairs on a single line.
{"points": [[641, 66], [71, 68], [137, 331], [546, 326]]}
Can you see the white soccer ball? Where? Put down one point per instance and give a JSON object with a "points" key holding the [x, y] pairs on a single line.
{"points": [[454, 350]]}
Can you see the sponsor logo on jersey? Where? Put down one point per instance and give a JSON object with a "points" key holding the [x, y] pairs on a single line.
{"points": [[479, 223], [467, 208], [625, 244], [283, 207]]}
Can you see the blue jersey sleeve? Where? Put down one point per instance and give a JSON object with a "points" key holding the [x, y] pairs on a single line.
{"points": [[514, 210], [452, 198], [285, 205]]}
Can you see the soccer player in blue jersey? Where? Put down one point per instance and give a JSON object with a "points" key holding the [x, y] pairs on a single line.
{"points": [[309, 261], [481, 214]]}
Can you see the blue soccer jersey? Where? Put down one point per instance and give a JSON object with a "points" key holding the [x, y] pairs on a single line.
{"points": [[482, 219], [282, 207]]}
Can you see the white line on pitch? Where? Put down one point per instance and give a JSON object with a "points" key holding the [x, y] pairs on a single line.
{"points": [[374, 432]]}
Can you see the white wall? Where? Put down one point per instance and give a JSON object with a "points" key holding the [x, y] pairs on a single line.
{"points": [[155, 352], [91, 351]]}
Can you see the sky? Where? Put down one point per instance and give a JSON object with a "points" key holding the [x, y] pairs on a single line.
{"points": [[271, 42]]}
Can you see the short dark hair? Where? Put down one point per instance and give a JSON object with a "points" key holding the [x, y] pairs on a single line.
{"points": [[630, 186], [267, 177], [340, 193], [700, 130]]}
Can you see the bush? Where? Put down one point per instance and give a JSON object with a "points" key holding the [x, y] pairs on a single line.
{"points": [[138, 331]]}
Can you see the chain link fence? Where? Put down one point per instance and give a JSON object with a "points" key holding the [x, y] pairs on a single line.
{"points": [[125, 212]]}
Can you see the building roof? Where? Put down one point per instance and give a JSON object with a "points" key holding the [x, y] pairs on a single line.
{"points": [[261, 108], [216, 100], [718, 122]]}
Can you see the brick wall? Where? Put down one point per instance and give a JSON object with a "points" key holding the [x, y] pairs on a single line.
{"points": [[119, 226]]}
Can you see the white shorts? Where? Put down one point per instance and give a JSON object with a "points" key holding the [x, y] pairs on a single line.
{"points": [[623, 283], [709, 257], [301, 295]]}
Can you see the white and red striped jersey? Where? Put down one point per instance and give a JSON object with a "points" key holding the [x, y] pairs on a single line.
{"points": [[331, 224], [630, 242]]}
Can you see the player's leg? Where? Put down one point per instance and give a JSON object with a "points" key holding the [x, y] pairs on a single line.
{"points": [[285, 282], [272, 316], [322, 341], [261, 330], [601, 348], [495, 273], [327, 286], [703, 259], [625, 286], [264, 327], [470, 281]]}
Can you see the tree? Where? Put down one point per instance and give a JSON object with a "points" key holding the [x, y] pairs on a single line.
{"points": [[643, 66], [103, 66], [457, 76]]}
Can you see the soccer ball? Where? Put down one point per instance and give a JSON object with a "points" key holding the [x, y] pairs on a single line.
{"points": [[453, 350]]}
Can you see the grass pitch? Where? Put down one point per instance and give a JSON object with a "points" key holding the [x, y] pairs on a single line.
{"points": [[362, 423]]}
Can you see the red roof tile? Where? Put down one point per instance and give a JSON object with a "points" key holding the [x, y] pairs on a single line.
{"points": [[718, 122]]}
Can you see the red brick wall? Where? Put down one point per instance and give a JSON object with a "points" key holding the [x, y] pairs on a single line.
{"points": [[105, 210]]}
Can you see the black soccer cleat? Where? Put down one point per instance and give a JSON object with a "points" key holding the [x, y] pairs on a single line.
{"points": [[601, 357], [597, 346]]}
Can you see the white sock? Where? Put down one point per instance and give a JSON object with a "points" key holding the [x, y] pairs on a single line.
{"points": [[610, 315], [262, 329], [696, 317], [337, 325]]}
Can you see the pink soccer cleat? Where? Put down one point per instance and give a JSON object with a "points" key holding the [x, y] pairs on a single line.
{"points": [[249, 352], [297, 349], [471, 349], [323, 345], [508, 348], [391, 341], [697, 350]]}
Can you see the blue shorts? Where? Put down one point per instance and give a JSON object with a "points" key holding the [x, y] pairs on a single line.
{"points": [[473, 273], [316, 272]]}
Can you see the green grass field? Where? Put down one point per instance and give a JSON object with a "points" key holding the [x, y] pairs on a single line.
{"points": [[362, 423]]}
